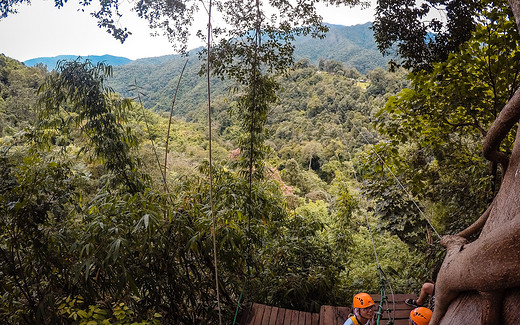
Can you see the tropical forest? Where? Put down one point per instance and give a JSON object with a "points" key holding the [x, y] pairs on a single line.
{"points": [[288, 162]]}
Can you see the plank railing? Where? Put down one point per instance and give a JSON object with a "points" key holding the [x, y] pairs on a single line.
{"points": [[259, 314], [267, 315]]}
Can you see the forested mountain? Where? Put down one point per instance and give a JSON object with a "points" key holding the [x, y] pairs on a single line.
{"points": [[351, 46], [50, 62], [18, 87], [354, 46]]}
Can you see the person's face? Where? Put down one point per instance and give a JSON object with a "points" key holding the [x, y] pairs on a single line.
{"points": [[367, 312]]}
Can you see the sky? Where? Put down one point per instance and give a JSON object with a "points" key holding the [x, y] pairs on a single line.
{"points": [[41, 30]]}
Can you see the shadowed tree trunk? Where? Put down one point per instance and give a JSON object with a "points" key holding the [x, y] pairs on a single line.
{"points": [[479, 282]]}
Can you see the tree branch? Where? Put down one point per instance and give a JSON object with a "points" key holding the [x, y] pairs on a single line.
{"points": [[509, 115], [477, 225]]}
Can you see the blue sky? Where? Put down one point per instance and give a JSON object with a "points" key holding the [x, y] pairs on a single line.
{"points": [[40, 30]]}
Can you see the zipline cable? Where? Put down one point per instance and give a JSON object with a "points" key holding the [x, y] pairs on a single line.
{"points": [[400, 184], [382, 277]]}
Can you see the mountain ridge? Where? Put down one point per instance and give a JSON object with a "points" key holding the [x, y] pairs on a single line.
{"points": [[51, 62], [352, 45]]}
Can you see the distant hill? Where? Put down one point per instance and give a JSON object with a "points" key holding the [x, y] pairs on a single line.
{"points": [[353, 46], [51, 62]]}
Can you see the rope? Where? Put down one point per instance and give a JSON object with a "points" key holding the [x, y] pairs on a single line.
{"points": [[137, 89], [401, 185], [382, 278], [170, 124], [250, 197], [213, 228], [384, 299]]}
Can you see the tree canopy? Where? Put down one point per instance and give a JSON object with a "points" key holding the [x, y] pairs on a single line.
{"points": [[427, 31]]}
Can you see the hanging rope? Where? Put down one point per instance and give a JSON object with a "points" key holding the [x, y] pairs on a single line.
{"points": [[213, 218], [400, 184], [170, 124], [383, 281], [258, 40], [137, 89]]}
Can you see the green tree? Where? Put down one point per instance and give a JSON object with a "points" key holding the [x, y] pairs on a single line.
{"points": [[35, 197], [76, 97], [444, 117], [18, 86], [417, 35], [495, 147]]}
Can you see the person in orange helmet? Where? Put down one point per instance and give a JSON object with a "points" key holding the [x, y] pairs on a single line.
{"points": [[420, 316], [364, 310]]}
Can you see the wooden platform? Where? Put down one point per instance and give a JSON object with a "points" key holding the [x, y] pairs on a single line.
{"points": [[259, 314]]}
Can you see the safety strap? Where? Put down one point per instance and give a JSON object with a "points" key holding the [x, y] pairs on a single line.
{"points": [[354, 320]]}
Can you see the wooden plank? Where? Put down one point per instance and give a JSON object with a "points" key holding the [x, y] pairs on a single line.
{"points": [[295, 318], [280, 318], [398, 314], [398, 322], [259, 313], [247, 316], [255, 308], [326, 315], [274, 316], [342, 314], [287, 318], [254, 313], [315, 319], [308, 319], [399, 311], [267, 315]]}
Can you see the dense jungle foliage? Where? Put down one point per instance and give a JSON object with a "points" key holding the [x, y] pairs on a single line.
{"points": [[98, 225], [91, 232]]}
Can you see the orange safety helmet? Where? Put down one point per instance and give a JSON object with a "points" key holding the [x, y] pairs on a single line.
{"points": [[362, 300], [421, 316]]}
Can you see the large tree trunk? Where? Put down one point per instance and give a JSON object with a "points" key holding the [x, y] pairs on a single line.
{"points": [[479, 282]]}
